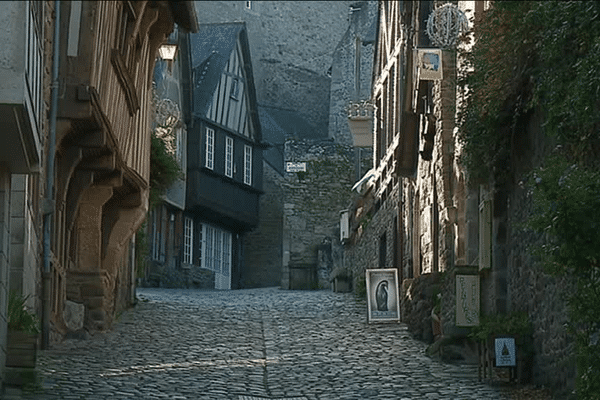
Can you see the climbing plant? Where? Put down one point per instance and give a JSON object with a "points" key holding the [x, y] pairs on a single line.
{"points": [[545, 56], [164, 169]]}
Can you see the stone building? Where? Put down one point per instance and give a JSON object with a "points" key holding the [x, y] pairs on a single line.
{"points": [[292, 44], [419, 213], [295, 48], [24, 94]]}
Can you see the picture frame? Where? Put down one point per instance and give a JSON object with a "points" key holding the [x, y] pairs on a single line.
{"points": [[428, 64], [383, 298]]}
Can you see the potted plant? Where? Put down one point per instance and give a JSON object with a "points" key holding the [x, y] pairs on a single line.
{"points": [[23, 331]]}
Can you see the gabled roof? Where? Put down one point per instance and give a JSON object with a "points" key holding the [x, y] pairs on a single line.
{"points": [[210, 49]]}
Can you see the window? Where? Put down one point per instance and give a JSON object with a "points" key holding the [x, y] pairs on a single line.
{"points": [[210, 148], [188, 239], [229, 157], [247, 165], [235, 89]]}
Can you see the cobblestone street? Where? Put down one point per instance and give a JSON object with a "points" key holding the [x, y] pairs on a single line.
{"points": [[248, 344]]}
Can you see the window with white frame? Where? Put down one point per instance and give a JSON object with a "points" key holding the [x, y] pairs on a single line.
{"points": [[229, 157], [217, 254], [188, 240], [247, 165], [226, 258], [210, 148]]}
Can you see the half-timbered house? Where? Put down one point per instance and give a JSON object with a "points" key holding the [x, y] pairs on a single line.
{"points": [[107, 57], [225, 165]]}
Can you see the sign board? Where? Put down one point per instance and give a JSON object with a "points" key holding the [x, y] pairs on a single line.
{"points": [[429, 64], [295, 167], [467, 300], [383, 300], [506, 352]]}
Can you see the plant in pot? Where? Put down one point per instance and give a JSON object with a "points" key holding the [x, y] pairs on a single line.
{"points": [[23, 332]]}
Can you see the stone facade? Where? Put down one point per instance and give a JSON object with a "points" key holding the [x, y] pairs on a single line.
{"points": [[444, 222], [263, 252], [292, 45], [374, 241], [313, 201]]}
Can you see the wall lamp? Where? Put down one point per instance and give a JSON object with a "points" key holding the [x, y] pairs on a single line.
{"points": [[167, 51]]}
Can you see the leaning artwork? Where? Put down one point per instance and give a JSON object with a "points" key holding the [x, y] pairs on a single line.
{"points": [[383, 300]]}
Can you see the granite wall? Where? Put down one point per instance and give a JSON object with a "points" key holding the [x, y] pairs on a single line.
{"points": [[313, 201]]}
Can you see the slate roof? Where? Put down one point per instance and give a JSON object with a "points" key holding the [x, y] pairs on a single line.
{"points": [[274, 135], [291, 123], [210, 49]]}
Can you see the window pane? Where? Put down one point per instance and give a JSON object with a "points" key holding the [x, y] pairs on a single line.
{"points": [[229, 157], [210, 148], [247, 165]]}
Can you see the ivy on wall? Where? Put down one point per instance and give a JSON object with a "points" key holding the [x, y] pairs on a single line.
{"points": [[164, 169], [545, 56]]}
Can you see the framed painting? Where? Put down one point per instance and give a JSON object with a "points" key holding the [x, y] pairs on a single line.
{"points": [[383, 300]]}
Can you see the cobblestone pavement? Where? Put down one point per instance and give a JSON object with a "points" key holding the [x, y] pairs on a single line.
{"points": [[249, 344]]}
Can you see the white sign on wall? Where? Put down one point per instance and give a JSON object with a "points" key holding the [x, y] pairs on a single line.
{"points": [[467, 300], [429, 64], [506, 353], [295, 167]]}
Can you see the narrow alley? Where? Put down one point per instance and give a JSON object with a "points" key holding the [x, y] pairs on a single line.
{"points": [[250, 344]]}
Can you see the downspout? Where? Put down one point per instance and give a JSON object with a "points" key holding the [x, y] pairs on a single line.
{"points": [[49, 201]]}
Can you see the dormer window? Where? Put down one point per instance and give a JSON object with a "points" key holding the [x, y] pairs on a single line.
{"points": [[235, 89]]}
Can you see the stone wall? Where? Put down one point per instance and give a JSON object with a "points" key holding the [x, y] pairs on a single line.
{"points": [[168, 276], [352, 69], [363, 249], [313, 201], [4, 261], [291, 45], [263, 246], [417, 302]]}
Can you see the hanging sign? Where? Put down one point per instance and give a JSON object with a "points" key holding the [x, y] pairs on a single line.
{"points": [[429, 64]]}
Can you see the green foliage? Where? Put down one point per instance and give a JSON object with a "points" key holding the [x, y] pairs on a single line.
{"points": [[495, 82], [516, 323], [545, 55], [164, 169], [542, 55], [20, 318], [566, 199]]}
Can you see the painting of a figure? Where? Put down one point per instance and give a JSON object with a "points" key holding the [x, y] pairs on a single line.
{"points": [[382, 295]]}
